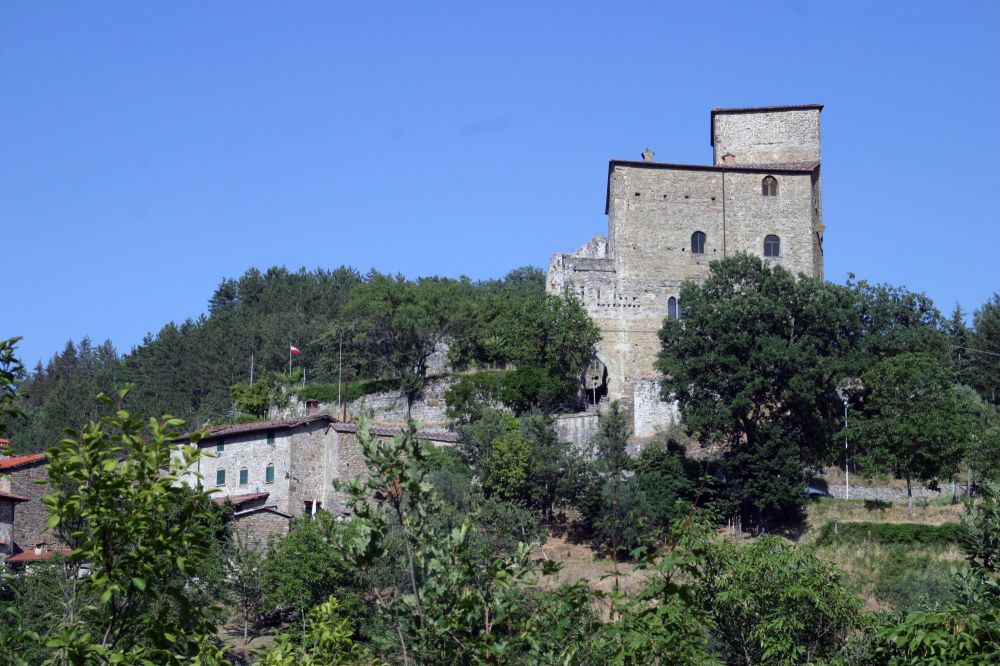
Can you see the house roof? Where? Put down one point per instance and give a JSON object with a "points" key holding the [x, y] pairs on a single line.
{"points": [[773, 167], [756, 109], [13, 462], [239, 500], [32, 556], [270, 508], [12, 497], [260, 426]]}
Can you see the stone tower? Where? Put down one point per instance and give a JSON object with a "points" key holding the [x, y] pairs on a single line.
{"points": [[667, 222]]}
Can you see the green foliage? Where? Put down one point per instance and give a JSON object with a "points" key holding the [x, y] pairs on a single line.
{"points": [[909, 578], [776, 603], [907, 534], [306, 566], [612, 439], [981, 528], [914, 423], [986, 361], [347, 391], [253, 400], [11, 372], [143, 536], [327, 641], [668, 481], [507, 467]]}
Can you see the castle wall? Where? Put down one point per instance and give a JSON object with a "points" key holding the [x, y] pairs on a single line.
{"points": [[766, 137]]}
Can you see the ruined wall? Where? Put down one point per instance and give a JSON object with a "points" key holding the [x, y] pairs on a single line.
{"points": [[255, 528], [764, 137], [429, 409], [577, 429], [652, 415]]}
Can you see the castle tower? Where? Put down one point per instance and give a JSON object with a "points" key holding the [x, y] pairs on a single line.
{"points": [[667, 222]]}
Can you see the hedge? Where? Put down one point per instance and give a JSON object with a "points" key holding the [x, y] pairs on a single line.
{"points": [[351, 391], [890, 533]]}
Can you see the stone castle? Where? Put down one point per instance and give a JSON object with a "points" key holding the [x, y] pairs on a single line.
{"points": [[667, 222]]}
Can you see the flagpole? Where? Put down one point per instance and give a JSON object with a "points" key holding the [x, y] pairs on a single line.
{"points": [[289, 359], [251, 368]]}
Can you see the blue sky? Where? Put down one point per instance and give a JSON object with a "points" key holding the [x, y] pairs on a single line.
{"points": [[148, 150]]}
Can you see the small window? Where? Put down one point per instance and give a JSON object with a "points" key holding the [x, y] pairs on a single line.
{"points": [[270, 438], [772, 246], [672, 308], [269, 474], [769, 186], [698, 242], [221, 446], [220, 477], [244, 477]]}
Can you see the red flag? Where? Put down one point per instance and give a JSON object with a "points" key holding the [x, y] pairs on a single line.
{"points": [[294, 351]]}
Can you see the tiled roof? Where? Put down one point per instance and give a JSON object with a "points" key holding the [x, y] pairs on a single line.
{"points": [[31, 556], [12, 497], [271, 508], [390, 431], [14, 462], [240, 500], [259, 426]]}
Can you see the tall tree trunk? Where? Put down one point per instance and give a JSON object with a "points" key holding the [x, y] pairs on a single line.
{"points": [[909, 497]]}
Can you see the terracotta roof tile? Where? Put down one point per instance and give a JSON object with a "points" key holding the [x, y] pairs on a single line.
{"points": [[259, 426], [390, 431], [240, 500], [31, 556], [13, 497], [14, 462]]}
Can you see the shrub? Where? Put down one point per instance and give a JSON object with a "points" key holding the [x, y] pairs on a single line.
{"points": [[890, 534]]}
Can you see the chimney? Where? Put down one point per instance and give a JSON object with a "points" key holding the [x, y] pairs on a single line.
{"points": [[647, 155], [729, 159], [312, 406]]}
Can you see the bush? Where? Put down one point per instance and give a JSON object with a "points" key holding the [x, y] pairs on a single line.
{"points": [[348, 391], [909, 534]]}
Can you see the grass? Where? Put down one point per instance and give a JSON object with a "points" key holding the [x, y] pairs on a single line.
{"points": [[925, 512]]}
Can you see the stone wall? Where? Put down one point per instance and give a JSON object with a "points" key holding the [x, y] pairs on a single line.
{"points": [[577, 429], [6, 528], [652, 415], [31, 517], [886, 493], [429, 408], [254, 528], [767, 136]]}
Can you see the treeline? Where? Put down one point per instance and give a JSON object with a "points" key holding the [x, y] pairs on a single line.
{"points": [[374, 326]]}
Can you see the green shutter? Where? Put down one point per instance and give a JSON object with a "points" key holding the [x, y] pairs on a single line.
{"points": [[270, 438], [220, 477], [221, 446], [269, 474], [244, 477]]}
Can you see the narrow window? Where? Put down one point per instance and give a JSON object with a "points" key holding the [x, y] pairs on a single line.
{"points": [[244, 477], [221, 446], [772, 246], [220, 477], [698, 242], [270, 438], [769, 186], [269, 474], [672, 308]]}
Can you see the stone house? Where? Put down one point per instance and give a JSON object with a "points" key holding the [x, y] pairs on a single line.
{"points": [[667, 222], [8, 501], [275, 470], [26, 477]]}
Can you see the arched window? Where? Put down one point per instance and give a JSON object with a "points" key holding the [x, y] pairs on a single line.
{"points": [[769, 186], [671, 308], [772, 246], [698, 242]]}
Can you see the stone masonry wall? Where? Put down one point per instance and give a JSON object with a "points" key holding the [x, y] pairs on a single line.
{"points": [[577, 429], [651, 415], [31, 518], [256, 528], [767, 137], [6, 528]]}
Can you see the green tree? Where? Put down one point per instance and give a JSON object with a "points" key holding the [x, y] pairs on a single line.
{"points": [[961, 339], [306, 566], [11, 372], [144, 536], [775, 603], [246, 569], [508, 466], [914, 423], [327, 640], [986, 341]]}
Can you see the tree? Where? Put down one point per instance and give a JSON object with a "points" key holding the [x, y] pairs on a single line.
{"points": [[775, 603], [986, 341], [755, 360], [961, 339], [305, 567], [144, 535], [913, 422], [246, 569], [327, 640], [11, 372]]}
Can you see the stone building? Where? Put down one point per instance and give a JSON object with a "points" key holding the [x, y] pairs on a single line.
{"points": [[25, 476], [275, 470], [667, 222]]}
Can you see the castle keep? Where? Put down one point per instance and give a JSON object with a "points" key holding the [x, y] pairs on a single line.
{"points": [[667, 222]]}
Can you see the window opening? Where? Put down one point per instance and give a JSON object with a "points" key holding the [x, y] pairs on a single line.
{"points": [[269, 474], [244, 476], [769, 186], [698, 242], [220, 477], [772, 246]]}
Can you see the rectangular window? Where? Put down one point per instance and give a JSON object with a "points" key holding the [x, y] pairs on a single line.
{"points": [[244, 477], [270, 438], [269, 474], [220, 477], [221, 446]]}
